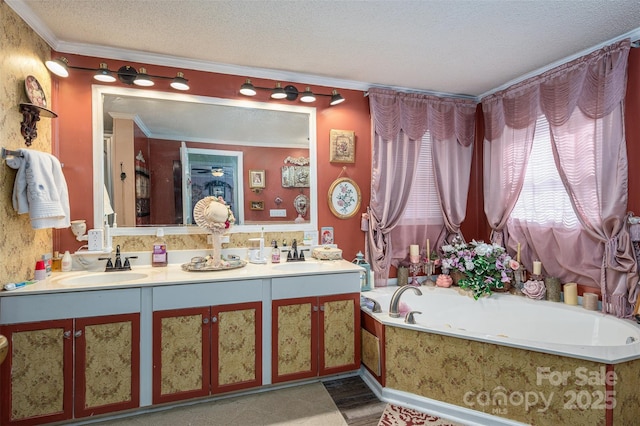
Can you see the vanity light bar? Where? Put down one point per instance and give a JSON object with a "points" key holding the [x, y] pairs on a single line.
{"points": [[126, 74], [290, 93]]}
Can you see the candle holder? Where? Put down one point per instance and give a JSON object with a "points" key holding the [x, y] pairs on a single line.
{"points": [[519, 278], [414, 268], [428, 269]]}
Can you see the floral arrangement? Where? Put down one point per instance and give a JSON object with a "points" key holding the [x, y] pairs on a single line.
{"points": [[485, 266]]}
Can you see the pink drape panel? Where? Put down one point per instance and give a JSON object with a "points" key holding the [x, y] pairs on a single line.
{"points": [[583, 102], [400, 120]]}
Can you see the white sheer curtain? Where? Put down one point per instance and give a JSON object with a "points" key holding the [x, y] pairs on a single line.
{"points": [[583, 103], [400, 121]]}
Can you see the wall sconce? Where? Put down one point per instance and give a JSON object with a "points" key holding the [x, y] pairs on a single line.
{"points": [[290, 93], [126, 74]]}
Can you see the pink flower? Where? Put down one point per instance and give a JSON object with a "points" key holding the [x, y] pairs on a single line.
{"points": [[513, 264]]}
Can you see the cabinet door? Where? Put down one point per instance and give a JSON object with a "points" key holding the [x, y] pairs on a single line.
{"points": [[107, 364], [294, 339], [181, 354], [340, 333], [237, 346], [37, 375]]}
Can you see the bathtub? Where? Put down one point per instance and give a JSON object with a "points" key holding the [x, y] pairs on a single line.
{"points": [[509, 320], [501, 360]]}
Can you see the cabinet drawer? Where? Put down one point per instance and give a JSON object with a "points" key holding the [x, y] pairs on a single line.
{"points": [[315, 285], [42, 307], [219, 293]]}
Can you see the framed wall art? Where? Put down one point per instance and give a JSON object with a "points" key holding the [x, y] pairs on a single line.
{"points": [[256, 179], [344, 198], [257, 205], [295, 176], [342, 144]]}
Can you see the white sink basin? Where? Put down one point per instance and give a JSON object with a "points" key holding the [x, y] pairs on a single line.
{"points": [[306, 266], [103, 278]]}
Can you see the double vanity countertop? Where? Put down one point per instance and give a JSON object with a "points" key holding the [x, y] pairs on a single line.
{"points": [[145, 276]]}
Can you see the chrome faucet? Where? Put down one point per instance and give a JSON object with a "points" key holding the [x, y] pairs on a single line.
{"points": [[394, 311]]}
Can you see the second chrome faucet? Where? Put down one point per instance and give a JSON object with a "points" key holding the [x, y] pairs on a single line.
{"points": [[394, 305]]}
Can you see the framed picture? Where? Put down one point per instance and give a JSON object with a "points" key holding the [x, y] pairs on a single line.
{"points": [[344, 198], [326, 235], [257, 205], [342, 144], [256, 179], [295, 176]]}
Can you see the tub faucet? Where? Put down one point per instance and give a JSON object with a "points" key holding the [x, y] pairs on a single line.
{"points": [[394, 311]]}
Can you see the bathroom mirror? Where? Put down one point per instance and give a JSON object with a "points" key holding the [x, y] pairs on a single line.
{"points": [[202, 123]]}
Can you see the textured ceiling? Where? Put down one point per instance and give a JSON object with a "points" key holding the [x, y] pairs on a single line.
{"points": [[442, 46]]}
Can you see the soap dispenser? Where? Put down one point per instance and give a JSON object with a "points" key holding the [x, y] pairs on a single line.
{"points": [[159, 256], [275, 252]]}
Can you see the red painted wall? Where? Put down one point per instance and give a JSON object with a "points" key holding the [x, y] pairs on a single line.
{"points": [[73, 140], [73, 144]]}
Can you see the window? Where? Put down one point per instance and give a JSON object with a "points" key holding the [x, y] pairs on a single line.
{"points": [[543, 199], [423, 207]]}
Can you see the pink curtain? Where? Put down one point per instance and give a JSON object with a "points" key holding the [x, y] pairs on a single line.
{"points": [[583, 103], [400, 120]]}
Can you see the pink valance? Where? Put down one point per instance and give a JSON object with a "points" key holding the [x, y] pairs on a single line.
{"points": [[594, 83], [415, 113]]}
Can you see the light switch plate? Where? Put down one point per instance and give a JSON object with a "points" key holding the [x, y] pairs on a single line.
{"points": [[278, 212]]}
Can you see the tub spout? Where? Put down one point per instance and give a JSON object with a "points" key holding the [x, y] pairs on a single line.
{"points": [[394, 311]]}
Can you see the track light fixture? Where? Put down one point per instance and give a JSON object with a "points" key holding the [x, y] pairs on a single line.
{"points": [[126, 74], [289, 93]]}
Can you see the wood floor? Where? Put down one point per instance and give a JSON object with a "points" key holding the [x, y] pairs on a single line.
{"points": [[357, 403]]}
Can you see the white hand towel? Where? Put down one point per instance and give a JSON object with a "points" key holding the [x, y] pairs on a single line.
{"points": [[40, 189]]}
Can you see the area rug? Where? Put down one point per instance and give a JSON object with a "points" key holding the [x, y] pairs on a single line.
{"points": [[395, 415]]}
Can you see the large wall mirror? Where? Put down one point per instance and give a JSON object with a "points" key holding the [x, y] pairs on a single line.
{"points": [[156, 153]]}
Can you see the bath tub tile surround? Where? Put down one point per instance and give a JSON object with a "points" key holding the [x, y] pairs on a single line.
{"points": [[496, 380]]}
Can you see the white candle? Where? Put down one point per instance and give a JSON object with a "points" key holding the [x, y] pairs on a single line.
{"points": [[570, 291], [537, 267], [414, 250], [518, 254]]}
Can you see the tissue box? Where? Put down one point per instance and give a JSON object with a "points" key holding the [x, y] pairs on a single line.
{"points": [[327, 253]]}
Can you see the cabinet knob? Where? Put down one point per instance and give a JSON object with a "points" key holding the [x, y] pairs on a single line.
{"points": [[78, 333], [322, 308], [315, 309], [66, 334], [205, 320], [214, 319]]}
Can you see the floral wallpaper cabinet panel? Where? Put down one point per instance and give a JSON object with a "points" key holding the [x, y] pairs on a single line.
{"points": [[107, 364], [37, 374], [180, 354]]}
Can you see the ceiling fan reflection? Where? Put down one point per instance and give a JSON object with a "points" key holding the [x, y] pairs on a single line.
{"points": [[216, 171]]}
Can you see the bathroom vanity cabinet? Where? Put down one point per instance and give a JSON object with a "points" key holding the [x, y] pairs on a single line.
{"points": [[314, 335], [84, 351], [65, 364], [199, 351]]}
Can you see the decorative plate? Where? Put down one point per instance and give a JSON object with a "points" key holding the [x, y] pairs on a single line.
{"points": [[344, 198], [34, 92]]}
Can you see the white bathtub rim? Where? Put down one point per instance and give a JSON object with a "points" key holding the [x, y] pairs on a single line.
{"points": [[601, 354], [452, 412]]}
